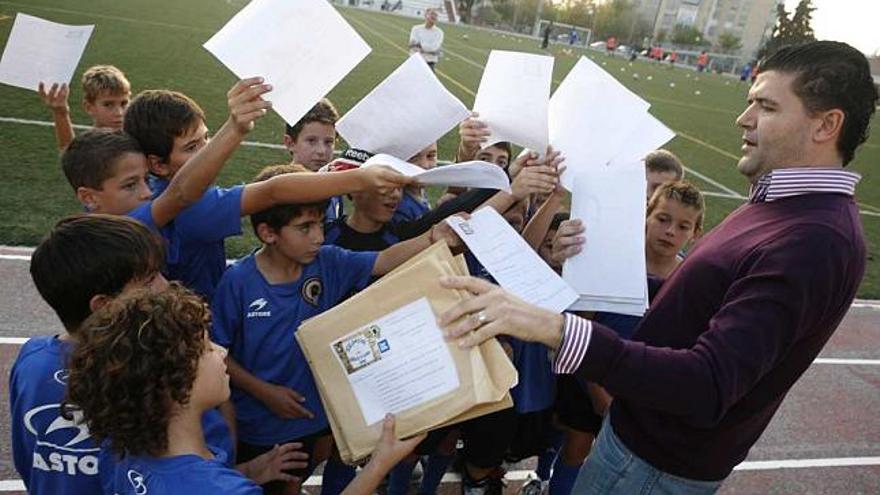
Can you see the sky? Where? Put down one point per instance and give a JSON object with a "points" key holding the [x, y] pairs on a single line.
{"points": [[856, 22]]}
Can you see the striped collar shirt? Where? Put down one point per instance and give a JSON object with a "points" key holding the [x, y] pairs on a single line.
{"points": [[788, 182]]}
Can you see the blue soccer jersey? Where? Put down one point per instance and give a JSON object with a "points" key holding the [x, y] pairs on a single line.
{"points": [[189, 474], [52, 454], [256, 321], [195, 253], [536, 389], [410, 208]]}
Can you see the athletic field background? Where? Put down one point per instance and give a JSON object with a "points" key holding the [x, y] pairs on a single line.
{"points": [[158, 44]]}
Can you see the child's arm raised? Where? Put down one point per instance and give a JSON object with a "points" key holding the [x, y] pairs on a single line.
{"points": [[394, 256], [309, 187], [199, 172], [56, 100]]}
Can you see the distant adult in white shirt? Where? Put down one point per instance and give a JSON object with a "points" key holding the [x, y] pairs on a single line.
{"points": [[427, 39]]}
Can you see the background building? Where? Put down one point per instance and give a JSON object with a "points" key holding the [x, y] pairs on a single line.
{"points": [[751, 21]]}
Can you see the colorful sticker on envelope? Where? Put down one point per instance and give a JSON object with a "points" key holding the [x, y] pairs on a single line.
{"points": [[360, 349]]}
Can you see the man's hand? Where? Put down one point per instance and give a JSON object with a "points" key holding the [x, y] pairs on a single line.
{"points": [[246, 104], [568, 241], [380, 178], [473, 134], [55, 98], [271, 465], [493, 311], [284, 402]]}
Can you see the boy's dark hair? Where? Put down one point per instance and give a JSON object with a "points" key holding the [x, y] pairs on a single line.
{"points": [[685, 193], [103, 79], [87, 255], [558, 218], [828, 75], [155, 117], [323, 112], [664, 161], [91, 157], [136, 358], [278, 216]]}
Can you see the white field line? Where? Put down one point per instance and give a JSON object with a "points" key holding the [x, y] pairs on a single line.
{"points": [[828, 361], [522, 475], [715, 183], [43, 123]]}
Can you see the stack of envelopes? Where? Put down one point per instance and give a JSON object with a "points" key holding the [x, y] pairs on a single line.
{"points": [[381, 352]]}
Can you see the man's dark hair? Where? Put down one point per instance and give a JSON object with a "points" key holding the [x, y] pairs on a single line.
{"points": [[278, 216], [86, 255], [828, 75], [156, 116], [91, 157], [323, 112]]}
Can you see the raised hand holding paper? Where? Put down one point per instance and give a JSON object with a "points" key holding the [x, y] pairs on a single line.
{"points": [[303, 48], [39, 50], [467, 174], [406, 112], [513, 263], [513, 97]]}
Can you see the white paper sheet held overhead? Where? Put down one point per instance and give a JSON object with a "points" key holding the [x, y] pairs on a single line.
{"points": [[648, 135], [513, 263], [513, 96], [405, 113], [40, 50], [467, 174], [611, 267], [397, 362], [303, 48], [590, 116]]}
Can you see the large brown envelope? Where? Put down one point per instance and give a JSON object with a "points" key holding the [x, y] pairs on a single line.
{"points": [[485, 373]]}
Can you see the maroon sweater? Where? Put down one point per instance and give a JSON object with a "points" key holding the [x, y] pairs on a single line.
{"points": [[730, 332]]}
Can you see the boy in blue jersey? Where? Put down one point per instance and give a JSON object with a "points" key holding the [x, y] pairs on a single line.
{"points": [[171, 130], [79, 266], [106, 93], [312, 138], [259, 304], [142, 376], [84, 262]]}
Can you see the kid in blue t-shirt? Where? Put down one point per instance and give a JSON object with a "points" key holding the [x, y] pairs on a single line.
{"points": [[261, 301], [83, 262], [148, 405]]}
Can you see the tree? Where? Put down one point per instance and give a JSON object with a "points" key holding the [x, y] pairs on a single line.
{"points": [[683, 34], [790, 31], [729, 42]]}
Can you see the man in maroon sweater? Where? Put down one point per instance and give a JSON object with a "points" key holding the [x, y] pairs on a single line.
{"points": [[743, 317]]}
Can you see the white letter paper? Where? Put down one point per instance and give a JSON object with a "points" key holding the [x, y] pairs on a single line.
{"points": [[39, 50], [303, 48]]}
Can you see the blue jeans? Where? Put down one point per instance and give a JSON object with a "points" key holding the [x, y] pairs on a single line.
{"points": [[612, 468]]}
